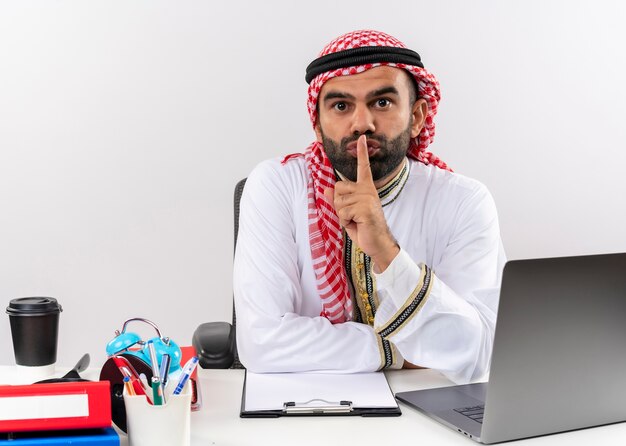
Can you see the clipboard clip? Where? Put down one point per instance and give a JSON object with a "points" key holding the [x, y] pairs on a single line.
{"points": [[317, 406]]}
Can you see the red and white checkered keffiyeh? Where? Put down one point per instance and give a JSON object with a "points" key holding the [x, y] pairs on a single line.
{"points": [[325, 233]]}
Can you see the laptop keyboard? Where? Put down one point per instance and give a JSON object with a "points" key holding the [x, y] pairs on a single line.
{"points": [[474, 412]]}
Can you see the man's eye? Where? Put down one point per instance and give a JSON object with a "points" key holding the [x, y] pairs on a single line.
{"points": [[383, 103], [340, 106]]}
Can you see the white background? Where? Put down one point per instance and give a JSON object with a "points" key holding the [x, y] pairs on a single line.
{"points": [[124, 126]]}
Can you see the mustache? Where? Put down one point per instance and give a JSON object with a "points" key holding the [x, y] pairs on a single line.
{"points": [[348, 139]]}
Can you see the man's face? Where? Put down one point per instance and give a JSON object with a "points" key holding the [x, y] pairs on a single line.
{"points": [[375, 103]]}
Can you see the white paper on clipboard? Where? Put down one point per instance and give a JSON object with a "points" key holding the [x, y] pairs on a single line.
{"points": [[270, 391]]}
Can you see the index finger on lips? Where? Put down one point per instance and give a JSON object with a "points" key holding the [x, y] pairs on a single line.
{"points": [[363, 171]]}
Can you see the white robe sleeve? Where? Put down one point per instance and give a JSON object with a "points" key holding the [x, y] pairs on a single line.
{"points": [[273, 335], [443, 316]]}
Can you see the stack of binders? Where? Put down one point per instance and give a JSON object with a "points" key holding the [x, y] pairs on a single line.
{"points": [[66, 413]]}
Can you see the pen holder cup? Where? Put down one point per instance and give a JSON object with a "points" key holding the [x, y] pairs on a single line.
{"points": [[166, 424]]}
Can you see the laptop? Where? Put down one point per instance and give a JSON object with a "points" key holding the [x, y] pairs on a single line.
{"points": [[559, 354]]}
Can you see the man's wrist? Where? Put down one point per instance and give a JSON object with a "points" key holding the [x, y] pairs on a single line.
{"points": [[384, 259]]}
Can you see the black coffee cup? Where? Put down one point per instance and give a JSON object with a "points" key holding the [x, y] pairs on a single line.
{"points": [[35, 330]]}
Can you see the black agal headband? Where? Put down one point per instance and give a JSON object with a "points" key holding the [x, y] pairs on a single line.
{"points": [[361, 56]]}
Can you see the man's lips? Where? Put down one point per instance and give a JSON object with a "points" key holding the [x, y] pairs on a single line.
{"points": [[373, 147]]}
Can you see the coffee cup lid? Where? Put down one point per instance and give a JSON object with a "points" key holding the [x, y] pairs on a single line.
{"points": [[33, 306]]}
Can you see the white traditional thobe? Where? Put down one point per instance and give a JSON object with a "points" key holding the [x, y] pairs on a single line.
{"points": [[441, 220]]}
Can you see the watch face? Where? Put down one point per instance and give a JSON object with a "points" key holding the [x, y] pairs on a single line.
{"points": [[110, 372]]}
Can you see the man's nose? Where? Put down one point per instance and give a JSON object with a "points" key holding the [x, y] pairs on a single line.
{"points": [[362, 121]]}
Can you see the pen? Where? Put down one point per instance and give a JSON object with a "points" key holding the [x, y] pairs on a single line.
{"points": [[187, 371], [128, 386], [153, 360], [165, 369], [157, 394]]}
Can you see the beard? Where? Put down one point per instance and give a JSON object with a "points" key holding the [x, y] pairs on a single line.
{"points": [[391, 153]]}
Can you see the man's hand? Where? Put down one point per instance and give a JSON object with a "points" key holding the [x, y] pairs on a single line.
{"points": [[361, 214], [408, 365]]}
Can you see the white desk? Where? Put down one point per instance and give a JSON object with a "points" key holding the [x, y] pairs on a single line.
{"points": [[218, 422]]}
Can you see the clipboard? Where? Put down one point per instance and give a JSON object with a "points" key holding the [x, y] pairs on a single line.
{"points": [[271, 395]]}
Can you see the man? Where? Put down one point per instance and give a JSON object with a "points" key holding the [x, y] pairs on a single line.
{"points": [[367, 252]]}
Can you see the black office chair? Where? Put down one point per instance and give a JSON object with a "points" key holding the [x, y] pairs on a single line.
{"points": [[215, 342]]}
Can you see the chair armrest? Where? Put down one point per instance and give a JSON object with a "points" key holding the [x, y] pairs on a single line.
{"points": [[215, 345]]}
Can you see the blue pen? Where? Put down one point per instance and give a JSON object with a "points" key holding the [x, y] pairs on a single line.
{"points": [[165, 369], [187, 371]]}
